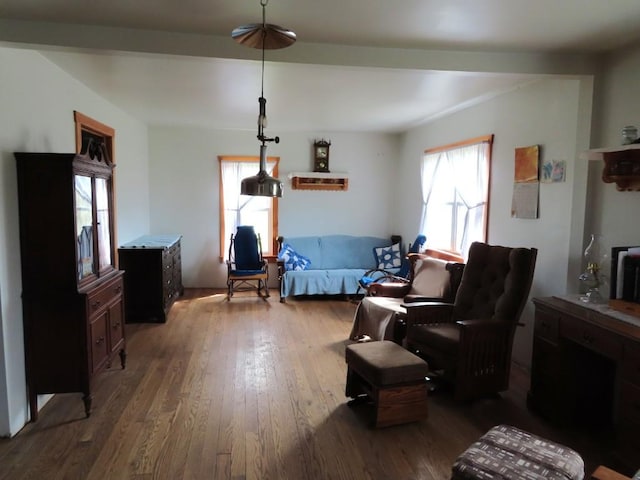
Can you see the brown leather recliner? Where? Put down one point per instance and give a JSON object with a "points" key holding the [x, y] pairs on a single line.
{"points": [[469, 341]]}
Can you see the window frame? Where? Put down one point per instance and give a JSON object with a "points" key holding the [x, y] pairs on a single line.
{"points": [[272, 254], [484, 139]]}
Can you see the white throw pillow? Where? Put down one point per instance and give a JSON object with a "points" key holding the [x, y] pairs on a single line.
{"points": [[431, 278]]}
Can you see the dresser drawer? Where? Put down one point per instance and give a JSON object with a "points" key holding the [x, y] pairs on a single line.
{"points": [[99, 298], [592, 337]]}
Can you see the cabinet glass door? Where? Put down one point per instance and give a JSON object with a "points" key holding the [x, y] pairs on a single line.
{"points": [[84, 225], [103, 223]]}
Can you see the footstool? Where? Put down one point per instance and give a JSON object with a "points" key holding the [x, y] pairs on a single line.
{"points": [[391, 377], [506, 452]]}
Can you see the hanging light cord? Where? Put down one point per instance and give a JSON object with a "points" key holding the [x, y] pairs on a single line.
{"points": [[264, 36], [262, 118]]}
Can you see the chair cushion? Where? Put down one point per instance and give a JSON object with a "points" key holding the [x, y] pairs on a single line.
{"points": [[246, 254], [444, 337], [385, 363], [508, 452], [431, 278]]}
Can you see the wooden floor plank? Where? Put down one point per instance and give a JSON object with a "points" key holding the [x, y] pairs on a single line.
{"points": [[253, 389]]}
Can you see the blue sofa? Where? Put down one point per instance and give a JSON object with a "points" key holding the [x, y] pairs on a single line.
{"points": [[337, 262]]}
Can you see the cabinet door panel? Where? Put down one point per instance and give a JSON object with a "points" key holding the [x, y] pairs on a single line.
{"points": [[84, 225], [105, 260], [631, 362], [116, 326], [98, 341]]}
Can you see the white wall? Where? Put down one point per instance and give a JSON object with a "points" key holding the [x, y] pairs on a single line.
{"points": [[612, 213], [185, 197], [543, 113], [38, 100]]}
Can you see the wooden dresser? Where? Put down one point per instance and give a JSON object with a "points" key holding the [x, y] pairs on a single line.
{"points": [[586, 370], [72, 294], [153, 276]]}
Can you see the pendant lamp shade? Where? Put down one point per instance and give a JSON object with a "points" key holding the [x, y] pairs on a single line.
{"points": [[263, 36], [262, 184], [275, 37]]}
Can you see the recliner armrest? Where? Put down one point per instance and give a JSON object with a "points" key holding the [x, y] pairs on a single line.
{"points": [[411, 298], [389, 289], [423, 313]]}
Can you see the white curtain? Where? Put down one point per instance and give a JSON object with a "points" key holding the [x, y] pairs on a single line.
{"points": [[469, 166], [454, 193], [234, 203]]}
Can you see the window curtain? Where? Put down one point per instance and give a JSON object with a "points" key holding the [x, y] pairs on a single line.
{"points": [[428, 175], [234, 203], [469, 167], [454, 196]]}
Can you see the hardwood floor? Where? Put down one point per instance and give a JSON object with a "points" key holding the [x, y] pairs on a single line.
{"points": [[251, 389]]}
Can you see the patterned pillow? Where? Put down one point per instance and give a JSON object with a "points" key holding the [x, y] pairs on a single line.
{"points": [[388, 257], [292, 259]]}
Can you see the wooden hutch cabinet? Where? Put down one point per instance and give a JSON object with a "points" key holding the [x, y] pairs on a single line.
{"points": [[153, 276], [72, 294]]}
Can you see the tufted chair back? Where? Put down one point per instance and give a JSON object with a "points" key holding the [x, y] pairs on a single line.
{"points": [[470, 341], [495, 283]]}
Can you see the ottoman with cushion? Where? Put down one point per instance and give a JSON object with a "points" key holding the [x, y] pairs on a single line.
{"points": [[506, 452], [391, 377]]}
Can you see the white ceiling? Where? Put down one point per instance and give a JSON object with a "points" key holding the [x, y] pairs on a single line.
{"points": [[365, 65]]}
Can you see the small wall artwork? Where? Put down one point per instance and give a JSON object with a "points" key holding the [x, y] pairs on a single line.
{"points": [[553, 171], [526, 191], [527, 164]]}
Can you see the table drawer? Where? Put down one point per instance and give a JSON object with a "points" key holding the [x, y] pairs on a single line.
{"points": [[546, 325], [592, 337]]}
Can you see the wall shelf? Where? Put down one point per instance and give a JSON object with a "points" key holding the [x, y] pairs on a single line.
{"points": [[621, 165], [319, 181]]}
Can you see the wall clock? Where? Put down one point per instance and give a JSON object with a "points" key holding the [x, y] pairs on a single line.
{"points": [[321, 156]]}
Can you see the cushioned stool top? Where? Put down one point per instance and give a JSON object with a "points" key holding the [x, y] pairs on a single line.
{"points": [[509, 453], [385, 363]]}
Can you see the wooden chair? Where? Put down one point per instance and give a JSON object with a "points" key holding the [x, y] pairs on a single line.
{"points": [[246, 268], [469, 342]]}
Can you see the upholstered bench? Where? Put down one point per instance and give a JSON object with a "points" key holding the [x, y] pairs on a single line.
{"points": [[391, 377], [507, 452]]}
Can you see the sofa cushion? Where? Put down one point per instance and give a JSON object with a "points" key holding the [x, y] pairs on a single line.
{"points": [[388, 257], [293, 260], [326, 252]]}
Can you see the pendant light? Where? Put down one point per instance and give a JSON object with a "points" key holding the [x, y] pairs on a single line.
{"points": [[263, 36]]}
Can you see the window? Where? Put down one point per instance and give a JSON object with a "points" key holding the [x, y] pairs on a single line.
{"points": [[455, 194], [236, 209]]}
